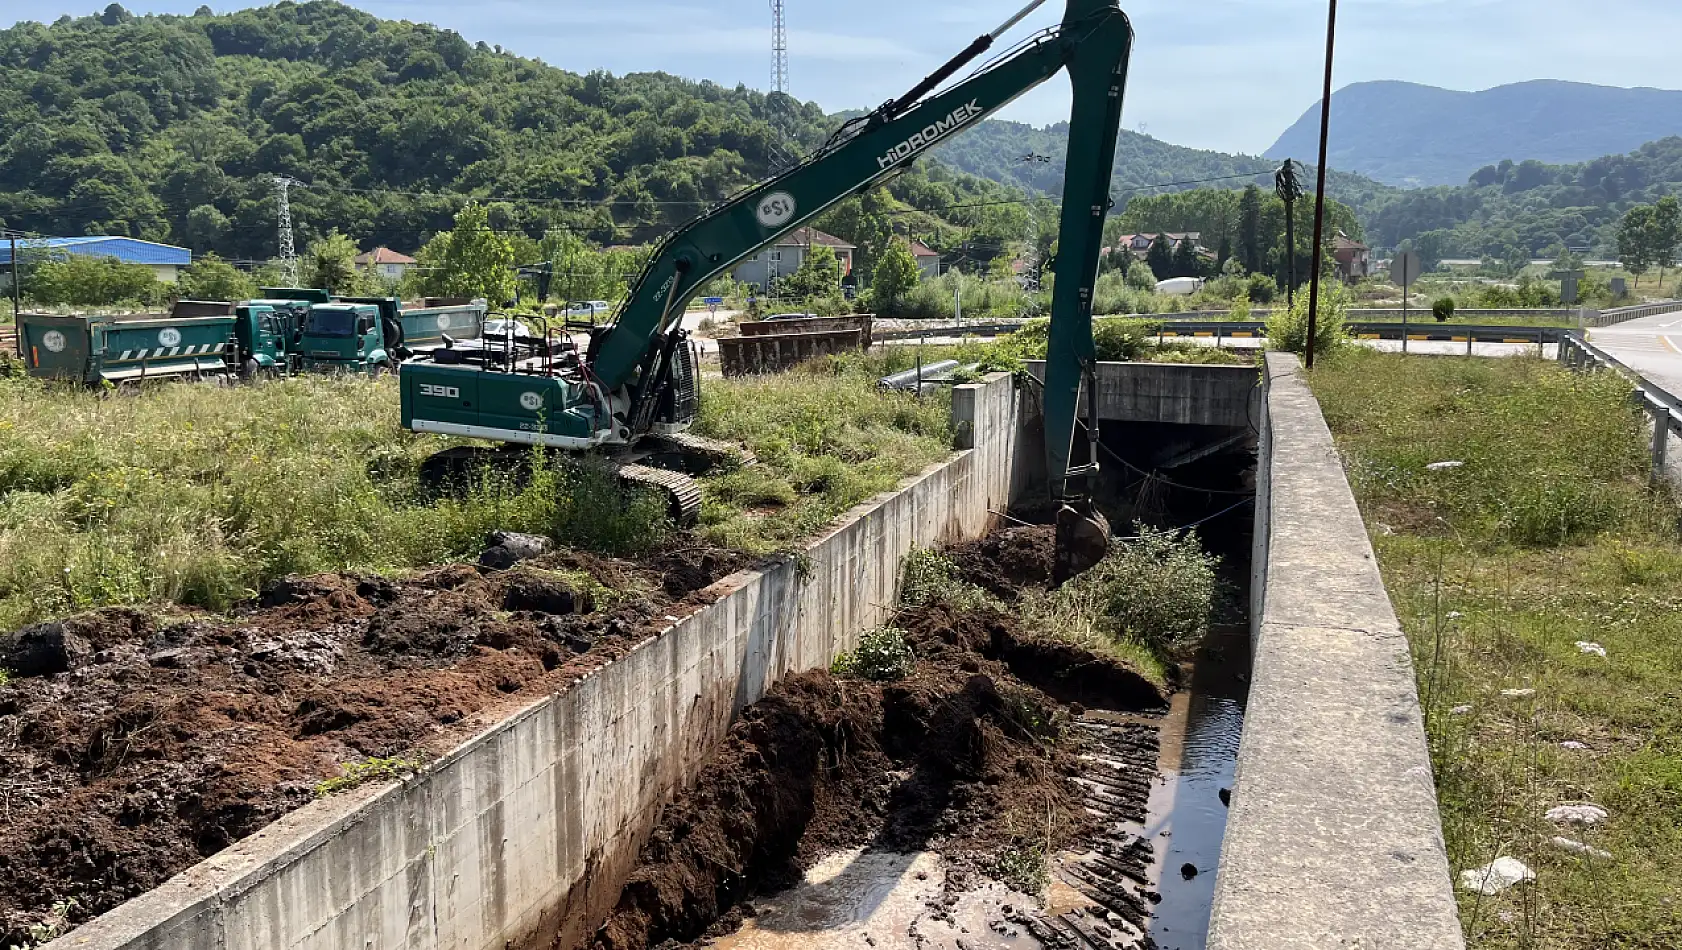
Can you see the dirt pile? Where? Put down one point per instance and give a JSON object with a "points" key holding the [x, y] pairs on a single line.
{"points": [[1008, 562], [132, 747], [966, 756]]}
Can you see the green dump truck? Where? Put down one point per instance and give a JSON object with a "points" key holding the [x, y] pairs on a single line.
{"points": [[128, 348], [374, 334]]}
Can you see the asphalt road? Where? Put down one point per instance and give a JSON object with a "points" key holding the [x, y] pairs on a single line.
{"points": [[1652, 346]]}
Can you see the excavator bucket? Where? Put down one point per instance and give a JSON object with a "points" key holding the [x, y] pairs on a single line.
{"points": [[1083, 538]]}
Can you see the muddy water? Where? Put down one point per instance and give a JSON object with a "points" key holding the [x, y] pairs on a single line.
{"points": [[872, 900], [1187, 818]]}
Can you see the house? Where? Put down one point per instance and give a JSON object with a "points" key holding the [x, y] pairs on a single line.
{"points": [[785, 255], [928, 259], [1140, 244], [165, 260], [1354, 259], [386, 263]]}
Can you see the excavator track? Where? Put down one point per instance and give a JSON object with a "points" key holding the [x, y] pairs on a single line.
{"points": [[683, 494], [699, 453]]}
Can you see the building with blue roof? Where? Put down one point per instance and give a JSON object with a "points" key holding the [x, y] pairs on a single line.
{"points": [[166, 260]]}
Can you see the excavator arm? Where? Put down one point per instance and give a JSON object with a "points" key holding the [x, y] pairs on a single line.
{"points": [[1092, 42]]}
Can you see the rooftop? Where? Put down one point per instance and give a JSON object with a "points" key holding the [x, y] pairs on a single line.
{"points": [[127, 249], [383, 255], [800, 237]]}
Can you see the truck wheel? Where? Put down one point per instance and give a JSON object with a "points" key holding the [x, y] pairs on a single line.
{"points": [[380, 370], [249, 370]]}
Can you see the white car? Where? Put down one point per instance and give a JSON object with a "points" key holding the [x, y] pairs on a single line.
{"points": [[588, 308]]}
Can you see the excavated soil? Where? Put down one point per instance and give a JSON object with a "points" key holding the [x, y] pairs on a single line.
{"points": [[978, 751], [132, 747]]}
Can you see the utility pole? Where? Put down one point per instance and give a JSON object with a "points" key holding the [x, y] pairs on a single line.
{"points": [[779, 49], [1320, 187], [17, 293], [288, 252]]}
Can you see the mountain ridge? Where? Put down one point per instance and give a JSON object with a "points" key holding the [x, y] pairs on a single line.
{"points": [[1449, 133]]}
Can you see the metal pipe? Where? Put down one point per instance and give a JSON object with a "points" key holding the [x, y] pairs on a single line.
{"points": [[1018, 18], [1320, 186]]}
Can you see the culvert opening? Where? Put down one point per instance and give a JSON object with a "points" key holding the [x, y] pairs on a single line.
{"points": [[1000, 795]]}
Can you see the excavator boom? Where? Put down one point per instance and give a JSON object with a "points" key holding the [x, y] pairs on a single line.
{"points": [[639, 379]]}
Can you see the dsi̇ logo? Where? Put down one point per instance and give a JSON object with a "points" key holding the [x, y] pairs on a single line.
{"points": [[169, 336], [53, 340], [774, 209], [531, 401]]}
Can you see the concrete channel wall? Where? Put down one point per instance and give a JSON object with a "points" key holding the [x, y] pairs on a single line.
{"points": [[1199, 394], [526, 831], [1334, 839]]}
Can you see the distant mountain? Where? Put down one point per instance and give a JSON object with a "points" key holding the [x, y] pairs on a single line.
{"points": [[1411, 135], [1032, 158]]}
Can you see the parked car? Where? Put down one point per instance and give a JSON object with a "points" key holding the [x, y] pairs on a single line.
{"points": [[588, 308]]}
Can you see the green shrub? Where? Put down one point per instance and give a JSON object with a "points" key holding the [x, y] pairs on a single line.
{"points": [[882, 655], [1158, 590], [1443, 309], [1287, 328], [1551, 511], [930, 577]]}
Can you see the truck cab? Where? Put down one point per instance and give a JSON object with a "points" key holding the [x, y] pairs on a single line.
{"points": [[267, 332], [348, 337]]}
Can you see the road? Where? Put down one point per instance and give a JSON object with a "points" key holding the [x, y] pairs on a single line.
{"points": [[1652, 346]]}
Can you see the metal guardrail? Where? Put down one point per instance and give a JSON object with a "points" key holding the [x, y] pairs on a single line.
{"points": [[1606, 318], [1663, 405], [1233, 329]]}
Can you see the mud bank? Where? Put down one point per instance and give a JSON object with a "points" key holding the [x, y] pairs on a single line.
{"points": [[136, 746], [989, 756]]}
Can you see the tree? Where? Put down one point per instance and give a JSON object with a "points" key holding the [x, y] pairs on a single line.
{"points": [[330, 264], [580, 270], [470, 260], [81, 281], [1186, 262], [1160, 258], [1666, 234], [895, 276], [1249, 229], [1224, 254], [1635, 235], [211, 278], [819, 275], [1289, 189]]}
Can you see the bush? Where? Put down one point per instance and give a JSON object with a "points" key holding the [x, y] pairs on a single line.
{"points": [[1263, 289], [882, 655], [930, 577], [1287, 328], [1158, 590], [1443, 309]]}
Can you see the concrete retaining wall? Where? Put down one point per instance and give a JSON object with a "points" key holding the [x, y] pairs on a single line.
{"points": [[526, 831], [1334, 839], [1179, 394]]}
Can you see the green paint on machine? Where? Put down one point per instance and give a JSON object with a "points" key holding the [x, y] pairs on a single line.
{"points": [[467, 400]]}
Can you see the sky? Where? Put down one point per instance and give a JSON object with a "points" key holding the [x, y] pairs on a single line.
{"points": [[1229, 75]]}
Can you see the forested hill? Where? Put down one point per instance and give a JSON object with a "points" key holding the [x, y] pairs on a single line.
{"points": [[174, 127], [1512, 210], [1010, 152], [1408, 134]]}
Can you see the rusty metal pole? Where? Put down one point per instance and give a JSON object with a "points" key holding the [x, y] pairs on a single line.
{"points": [[1320, 186]]}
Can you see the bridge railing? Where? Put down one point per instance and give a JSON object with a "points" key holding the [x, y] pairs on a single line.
{"points": [[1663, 405], [1605, 318]]}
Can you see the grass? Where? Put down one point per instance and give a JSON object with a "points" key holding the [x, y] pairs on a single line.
{"points": [[356, 774], [1545, 537], [197, 495], [826, 439]]}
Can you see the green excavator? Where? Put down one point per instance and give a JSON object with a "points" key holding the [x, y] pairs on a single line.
{"points": [[629, 398]]}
